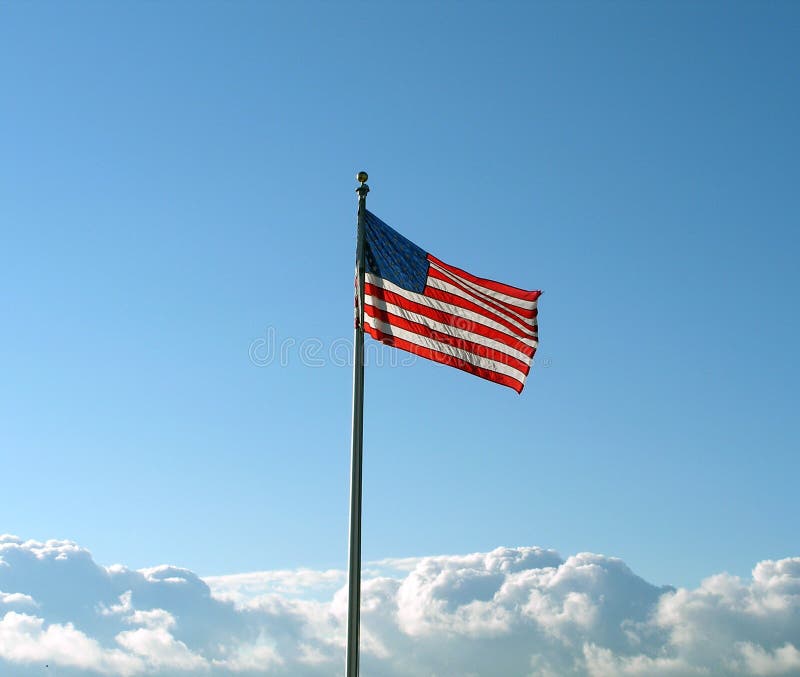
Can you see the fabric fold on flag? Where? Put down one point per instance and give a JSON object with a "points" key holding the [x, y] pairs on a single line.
{"points": [[418, 303]]}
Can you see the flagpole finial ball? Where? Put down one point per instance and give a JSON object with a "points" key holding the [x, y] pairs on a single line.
{"points": [[362, 177]]}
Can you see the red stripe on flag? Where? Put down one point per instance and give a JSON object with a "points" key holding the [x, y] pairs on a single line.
{"points": [[446, 318], [490, 284], [477, 349], [442, 358], [461, 302], [506, 308]]}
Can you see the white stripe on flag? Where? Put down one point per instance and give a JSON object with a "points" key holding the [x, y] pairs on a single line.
{"points": [[431, 344], [524, 325], [486, 291], [450, 330], [458, 311]]}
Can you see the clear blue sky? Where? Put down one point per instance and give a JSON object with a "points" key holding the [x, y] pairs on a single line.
{"points": [[176, 181]]}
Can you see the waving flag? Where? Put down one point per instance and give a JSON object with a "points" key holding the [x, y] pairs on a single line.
{"points": [[416, 302]]}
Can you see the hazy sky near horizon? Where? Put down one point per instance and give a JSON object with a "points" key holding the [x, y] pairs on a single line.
{"points": [[177, 205]]}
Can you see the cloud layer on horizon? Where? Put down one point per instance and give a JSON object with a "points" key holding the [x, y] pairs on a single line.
{"points": [[512, 611]]}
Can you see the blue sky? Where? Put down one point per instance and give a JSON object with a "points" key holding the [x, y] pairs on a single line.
{"points": [[176, 182]]}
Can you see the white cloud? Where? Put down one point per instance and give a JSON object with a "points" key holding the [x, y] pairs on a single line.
{"points": [[602, 662], [782, 661], [25, 640], [159, 648], [512, 611], [242, 588], [16, 599]]}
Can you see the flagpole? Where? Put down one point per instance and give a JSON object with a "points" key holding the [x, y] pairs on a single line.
{"points": [[354, 555]]}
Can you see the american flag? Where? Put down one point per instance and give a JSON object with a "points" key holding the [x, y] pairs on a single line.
{"points": [[416, 302]]}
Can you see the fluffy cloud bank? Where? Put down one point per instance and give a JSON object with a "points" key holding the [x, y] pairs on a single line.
{"points": [[512, 611]]}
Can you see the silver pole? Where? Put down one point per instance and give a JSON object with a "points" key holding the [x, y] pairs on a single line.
{"points": [[354, 557]]}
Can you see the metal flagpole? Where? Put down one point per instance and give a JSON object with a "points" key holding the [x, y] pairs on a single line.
{"points": [[354, 556]]}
